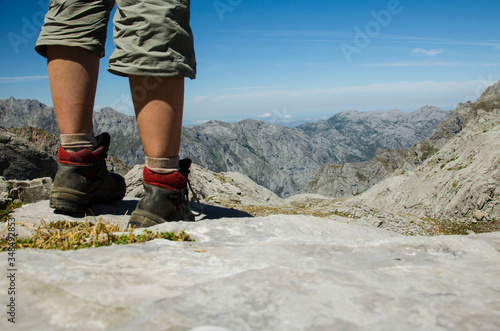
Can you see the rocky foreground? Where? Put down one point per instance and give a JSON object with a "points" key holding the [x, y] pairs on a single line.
{"points": [[279, 272]]}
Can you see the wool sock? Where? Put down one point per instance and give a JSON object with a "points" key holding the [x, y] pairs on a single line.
{"points": [[78, 142], [163, 166]]}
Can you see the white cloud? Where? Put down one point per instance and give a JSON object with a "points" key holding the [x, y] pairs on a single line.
{"points": [[21, 79], [427, 52], [326, 101], [419, 64]]}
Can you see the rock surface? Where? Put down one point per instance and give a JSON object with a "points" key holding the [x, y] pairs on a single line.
{"points": [[350, 179], [219, 188], [47, 142], [28, 191], [266, 273], [21, 159]]}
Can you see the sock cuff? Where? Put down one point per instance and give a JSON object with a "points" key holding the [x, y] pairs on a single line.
{"points": [[166, 165], [76, 142]]}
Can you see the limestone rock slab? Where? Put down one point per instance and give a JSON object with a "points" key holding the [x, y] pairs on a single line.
{"points": [[266, 273]]}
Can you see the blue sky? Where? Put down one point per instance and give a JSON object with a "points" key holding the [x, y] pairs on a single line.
{"points": [[297, 60]]}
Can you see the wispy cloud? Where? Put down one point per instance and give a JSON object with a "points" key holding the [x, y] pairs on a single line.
{"points": [[266, 115], [341, 36], [255, 88], [22, 79], [419, 64], [403, 95], [427, 52]]}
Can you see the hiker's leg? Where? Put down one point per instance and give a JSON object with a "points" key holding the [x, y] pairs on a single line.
{"points": [[156, 58], [73, 73], [158, 103], [72, 39]]}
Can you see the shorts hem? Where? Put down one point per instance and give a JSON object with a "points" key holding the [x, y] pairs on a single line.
{"points": [[41, 47], [177, 71]]}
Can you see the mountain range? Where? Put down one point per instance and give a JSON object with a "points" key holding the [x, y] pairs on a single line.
{"points": [[349, 179], [276, 157]]}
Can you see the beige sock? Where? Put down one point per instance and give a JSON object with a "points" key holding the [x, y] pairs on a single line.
{"points": [[163, 166], [78, 142]]}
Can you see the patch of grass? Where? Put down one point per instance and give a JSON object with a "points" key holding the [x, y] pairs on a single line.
{"points": [[428, 151], [448, 228], [65, 235], [4, 213], [456, 167], [360, 176], [487, 106]]}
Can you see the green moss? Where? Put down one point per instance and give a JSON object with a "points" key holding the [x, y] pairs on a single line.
{"points": [[4, 213]]}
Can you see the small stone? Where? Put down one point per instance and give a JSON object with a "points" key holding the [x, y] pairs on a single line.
{"points": [[479, 215]]}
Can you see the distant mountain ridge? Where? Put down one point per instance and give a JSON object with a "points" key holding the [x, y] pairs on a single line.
{"points": [[277, 157], [349, 179], [282, 159]]}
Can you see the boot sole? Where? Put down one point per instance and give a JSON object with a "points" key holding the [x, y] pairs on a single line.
{"points": [[142, 219], [63, 199]]}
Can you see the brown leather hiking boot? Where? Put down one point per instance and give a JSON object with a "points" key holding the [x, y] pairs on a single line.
{"points": [[166, 198], [83, 178]]}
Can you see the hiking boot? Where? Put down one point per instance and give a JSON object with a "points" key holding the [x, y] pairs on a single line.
{"points": [[82, 178], [166, 199]]}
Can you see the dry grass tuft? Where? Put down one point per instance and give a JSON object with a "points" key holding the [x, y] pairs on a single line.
{"points": [[65, 235]]}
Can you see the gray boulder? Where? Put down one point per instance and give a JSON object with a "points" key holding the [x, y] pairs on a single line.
{"points": [[20, 159], [27, 191]]}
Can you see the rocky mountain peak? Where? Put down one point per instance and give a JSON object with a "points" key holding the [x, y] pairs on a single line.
{"points": [[489, 100]]}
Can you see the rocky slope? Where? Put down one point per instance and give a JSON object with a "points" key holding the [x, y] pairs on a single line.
{"points": [[276, 157], [461, 181], [223, 189], [349, 179], [16, 113]]}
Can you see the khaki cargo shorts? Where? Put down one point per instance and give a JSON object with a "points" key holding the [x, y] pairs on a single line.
{"points": [[152, 37]]}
